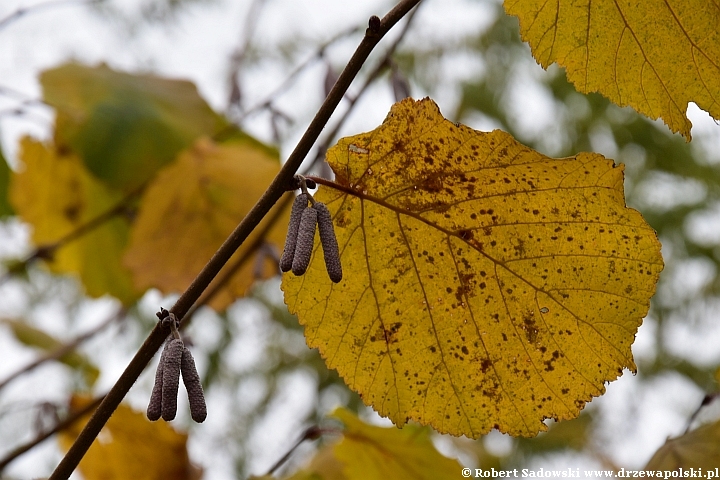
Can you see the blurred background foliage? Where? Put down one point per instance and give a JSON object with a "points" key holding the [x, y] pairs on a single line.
{"points": [[252, 357]]}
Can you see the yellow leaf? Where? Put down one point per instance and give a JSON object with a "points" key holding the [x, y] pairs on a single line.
{"points": [[324, 466], [55, 194], [697, 449], [376, 453], [485, 285], [131, 447], [368, 452], [125, 127], [655, 56], [190, 209]]}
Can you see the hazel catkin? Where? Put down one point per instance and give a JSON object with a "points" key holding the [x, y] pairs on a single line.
{"points": [[299, 205], [305, 239], [154, 409], [191, 379], [329, 243], [171, 378]]}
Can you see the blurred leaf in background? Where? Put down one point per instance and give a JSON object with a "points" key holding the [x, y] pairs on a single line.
{"points": [[699, 448], [368, 452], [56, 195], [132, 447], [190, 209], [34, 337], [125, 126]]}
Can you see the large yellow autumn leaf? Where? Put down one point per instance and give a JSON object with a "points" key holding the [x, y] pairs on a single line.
{"points": [[190, 209], [485, 285], [655, 56]]}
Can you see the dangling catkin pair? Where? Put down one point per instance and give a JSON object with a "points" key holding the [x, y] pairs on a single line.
{"points": [[301, 235], [174, 360]]}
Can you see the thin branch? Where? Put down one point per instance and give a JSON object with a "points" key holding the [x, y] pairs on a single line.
{"points": [[47, 251], [64, 349], [238, 56], [41, 437], [378, 28], [707, 400], [374, 75], [22, 11], [20, 96], [311, 433], [293, 75]]}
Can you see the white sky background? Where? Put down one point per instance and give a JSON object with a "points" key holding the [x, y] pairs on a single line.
{"points": [[196, 46]]}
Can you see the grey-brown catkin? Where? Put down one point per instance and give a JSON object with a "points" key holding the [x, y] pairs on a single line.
{"points": [[329, 242], [154, 409], [305, 239], [191, 379], [299, 205], [171, 378]]}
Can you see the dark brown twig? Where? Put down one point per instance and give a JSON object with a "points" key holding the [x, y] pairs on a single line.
{"points": [[707, 400], [273, 193], [238, 56], [311, 433], [62, 425]]}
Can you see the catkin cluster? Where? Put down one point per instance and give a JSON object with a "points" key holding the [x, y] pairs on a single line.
{"points": [[174, 360], [301, 236]]}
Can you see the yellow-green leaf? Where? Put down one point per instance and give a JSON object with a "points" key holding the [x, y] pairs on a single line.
{"points": [[191, 208], [368, 452], [131, 447], [697, 449], [485, 285], [125, 127], [56, 195], [34, 337], [655, 56]]}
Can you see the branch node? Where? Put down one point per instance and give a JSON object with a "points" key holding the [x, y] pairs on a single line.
{"points": [[374, 25]]}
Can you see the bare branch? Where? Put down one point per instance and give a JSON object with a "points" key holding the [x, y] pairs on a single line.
{"points": [[65, 348], [62, 425], [238, 56], [311, 433], [47, 251], [374, 75], [320, 53]]}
